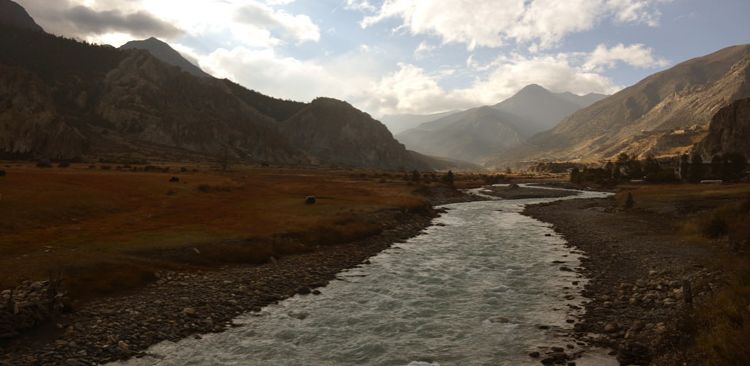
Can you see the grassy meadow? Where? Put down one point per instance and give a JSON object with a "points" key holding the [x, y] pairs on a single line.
{"points": [[106, 230]]}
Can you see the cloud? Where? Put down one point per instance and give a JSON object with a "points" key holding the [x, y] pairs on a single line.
{"points": [[299, 28], [423, 50], [491, 23], [140, 23], [636, 55]]}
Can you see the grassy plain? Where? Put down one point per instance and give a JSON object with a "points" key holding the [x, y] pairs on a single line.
{"points": [[109, 230]]}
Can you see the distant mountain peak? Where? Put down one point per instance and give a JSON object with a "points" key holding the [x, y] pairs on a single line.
{"points": [[164, 52], [14, 15]]}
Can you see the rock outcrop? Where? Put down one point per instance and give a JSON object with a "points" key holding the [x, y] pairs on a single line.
{"points": [[729, 131], [333, 131]]}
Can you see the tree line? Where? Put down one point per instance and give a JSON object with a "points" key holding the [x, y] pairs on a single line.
{"points": [[730, 167]]}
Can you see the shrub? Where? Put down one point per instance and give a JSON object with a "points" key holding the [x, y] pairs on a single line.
{"points": [[63, 164], [44, 164], [716, 226], [2, 173], [629, 201]]}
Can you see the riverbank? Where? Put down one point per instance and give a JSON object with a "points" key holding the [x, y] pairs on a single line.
{"points": [[180, 305], [146, 255], [649, 277]]}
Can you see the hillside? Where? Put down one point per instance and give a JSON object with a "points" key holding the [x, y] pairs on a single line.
{"points": [[544, 109], [729, 131], [14, 15], [70, 100], [166, 54], [333, 131], [479, 134], [664, 114], [398, 123]]}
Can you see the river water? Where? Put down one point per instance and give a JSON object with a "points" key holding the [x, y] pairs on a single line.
{"points": [[473, 289]]}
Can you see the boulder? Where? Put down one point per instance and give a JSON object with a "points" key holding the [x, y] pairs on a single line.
{"points": [[311, 200]]}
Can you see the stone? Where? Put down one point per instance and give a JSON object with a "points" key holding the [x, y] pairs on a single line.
{"points": [[611, 327], [534, 354], [123, 346], [633, 353], [189, 312]]}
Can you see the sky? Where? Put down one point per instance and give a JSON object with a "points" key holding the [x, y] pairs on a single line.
{"points": [[414, 56]]}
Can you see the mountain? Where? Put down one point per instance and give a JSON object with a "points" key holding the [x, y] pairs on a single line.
{"points": [[398, 123], [479, 134], [14, 15], [165, 53], [333, 131], [544, 109], [729, 131], [663, 115], [63, 99], [472, 135]]}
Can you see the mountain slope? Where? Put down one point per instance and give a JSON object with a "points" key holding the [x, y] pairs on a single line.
{"points": [[729, 131], [471, 135], [398, 123], [14, 15], [333, 131], [64, 99], [542, 108], [643, 118], [480, 133], [165, 53]]}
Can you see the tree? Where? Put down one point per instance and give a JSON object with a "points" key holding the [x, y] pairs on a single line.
{"points": [[415, 176], [575, 176], [224, 158], [508, 171], [696, 172], [684, 167], [734, 166], [629, 201], [448, 178], [651, 167]]}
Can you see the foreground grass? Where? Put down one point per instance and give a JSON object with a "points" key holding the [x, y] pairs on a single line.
{"points": [[717, 216], [106, 231]]}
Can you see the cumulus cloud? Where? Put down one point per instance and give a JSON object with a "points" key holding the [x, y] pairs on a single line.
{"points": [[636, 55], [299, 28], [491, 23]]}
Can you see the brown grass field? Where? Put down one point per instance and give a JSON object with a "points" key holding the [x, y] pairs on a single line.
{"points": [[110, 230], [717, 216]]}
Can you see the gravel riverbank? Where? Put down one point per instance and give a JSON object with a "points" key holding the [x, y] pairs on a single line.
{"points": [[643, 278]]}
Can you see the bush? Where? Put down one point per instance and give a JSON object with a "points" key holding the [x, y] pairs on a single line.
{"points": [[44, 164], [63, 164], [629, 202], [716, 226], [2, 173]]}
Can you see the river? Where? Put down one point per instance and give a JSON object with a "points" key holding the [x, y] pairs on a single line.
{"points": [[473, 289]]}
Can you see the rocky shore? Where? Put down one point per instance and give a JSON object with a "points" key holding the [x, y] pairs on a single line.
{"points": [[643, 280], [180, 305]]}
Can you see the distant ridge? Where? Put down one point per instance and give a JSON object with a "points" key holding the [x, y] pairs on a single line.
{"points": [[664, 114], [165, 53], [479, 134]]}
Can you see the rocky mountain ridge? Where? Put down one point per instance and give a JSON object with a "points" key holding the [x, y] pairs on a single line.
{"points": [[663, 115], [70, 100]]}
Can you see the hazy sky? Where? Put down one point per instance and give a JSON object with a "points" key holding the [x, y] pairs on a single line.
{"points": [[418, 56]]}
